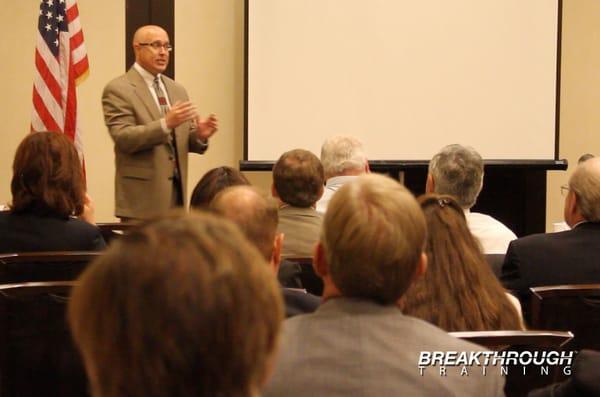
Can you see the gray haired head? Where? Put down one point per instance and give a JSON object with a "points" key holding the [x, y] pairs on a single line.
{"points": [[458, 171], [342, 154]]}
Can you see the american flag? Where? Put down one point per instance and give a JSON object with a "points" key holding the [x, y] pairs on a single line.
{"points": [[60, 63]]}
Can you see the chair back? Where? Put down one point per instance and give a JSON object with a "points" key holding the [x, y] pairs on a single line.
{"points": [[569, 307], [114, 230], [518, 383], [37, 355], [494, 339], [44, 266], [310, 281], [495, 261]]}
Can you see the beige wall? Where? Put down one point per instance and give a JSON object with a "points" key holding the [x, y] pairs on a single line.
{"points": [[209, 51], [580, 94], [104, 28]]}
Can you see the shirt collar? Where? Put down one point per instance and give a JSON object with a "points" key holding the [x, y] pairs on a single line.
{"points": [[579, 223], [146, 75]]}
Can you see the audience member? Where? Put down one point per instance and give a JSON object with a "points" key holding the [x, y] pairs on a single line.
{"points": [[458, 171], [257, 216], [358, 342], [50, 210], [298, 184], [343, 159], [584, 381], [568, 257], [459, 291], [212, 183], [183, 306], [585, 157]]}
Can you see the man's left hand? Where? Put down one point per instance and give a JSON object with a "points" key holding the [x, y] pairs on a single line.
{"points": [[205, 128]]}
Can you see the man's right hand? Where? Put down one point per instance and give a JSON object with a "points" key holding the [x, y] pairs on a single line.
{"points": [[179, 113]]}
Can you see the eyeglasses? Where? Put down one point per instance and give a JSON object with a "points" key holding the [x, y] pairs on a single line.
{"points": [[157, 45], [564, 190]]}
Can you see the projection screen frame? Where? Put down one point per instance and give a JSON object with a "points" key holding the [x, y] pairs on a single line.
{"points": [[402, 165]]}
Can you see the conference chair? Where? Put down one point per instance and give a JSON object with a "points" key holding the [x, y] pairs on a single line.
{"points": [[569, 307], [37, 355], [309, 279], [518, 383], [113, 230], [44, 266]]}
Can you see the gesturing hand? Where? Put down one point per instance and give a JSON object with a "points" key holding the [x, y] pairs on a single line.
{"points": [[206, 127], [179, 113]]}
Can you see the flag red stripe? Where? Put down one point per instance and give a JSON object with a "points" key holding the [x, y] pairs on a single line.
{"points": [[71, 108], [81, 67], [45, 116], [72, 13], [49, 80], [76, 39]]}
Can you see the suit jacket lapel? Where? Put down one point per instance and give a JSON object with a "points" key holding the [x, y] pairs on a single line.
{"points": [[174, 96], [143, 93]]}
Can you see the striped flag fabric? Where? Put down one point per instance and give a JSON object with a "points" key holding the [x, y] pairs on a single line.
{"points": [[61, 62]]}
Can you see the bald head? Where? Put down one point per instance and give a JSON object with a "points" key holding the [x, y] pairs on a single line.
{"points": [[253, 211], [151, 47], [585, 184], [143, 32]]}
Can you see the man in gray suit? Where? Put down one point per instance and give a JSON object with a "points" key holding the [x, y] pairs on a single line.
{"points": [[154, 126], [358, 343]]}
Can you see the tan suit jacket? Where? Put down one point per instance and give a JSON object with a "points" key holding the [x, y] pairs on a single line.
{"points": [[301, 228], [143, 156]]}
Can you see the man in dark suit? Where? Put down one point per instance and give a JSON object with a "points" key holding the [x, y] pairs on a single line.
{"points": [[569, 257], [154, 126], [257, 216], [358, 342]]}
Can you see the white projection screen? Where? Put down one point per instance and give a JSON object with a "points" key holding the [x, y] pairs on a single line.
{"points": [[405, 76]]}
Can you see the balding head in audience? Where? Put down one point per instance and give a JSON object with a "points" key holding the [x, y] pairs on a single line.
{"points": [[257, 216], [183, 306], [456, 171], [583, 200], [372, 241]]}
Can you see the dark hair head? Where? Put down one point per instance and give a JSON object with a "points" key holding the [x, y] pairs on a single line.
{"points": [[182, 306], [585, 157], [298, 178], [458, 292], [47, 176], [212, 183]]}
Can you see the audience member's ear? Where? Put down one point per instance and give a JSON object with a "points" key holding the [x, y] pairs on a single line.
{"points": [[321, 192], [89, 210], [421, 267], [430, 184], [572, 214], [367, 169], [274, 191], [276, 255], [320, 265]]}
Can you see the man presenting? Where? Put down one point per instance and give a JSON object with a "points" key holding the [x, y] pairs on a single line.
{"points": [[154, 126]]}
